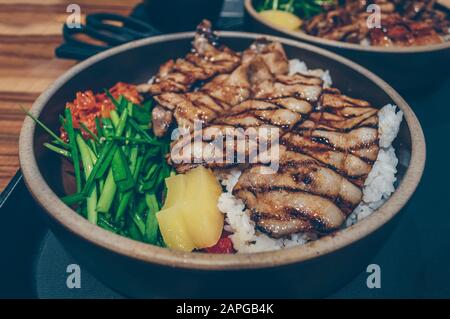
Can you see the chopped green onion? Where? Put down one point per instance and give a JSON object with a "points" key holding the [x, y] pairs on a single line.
{"points": [[151, 223], [91, 134], [86, 159], [108, 193], [69, 200], [57, 150], [121, 172], [73, 148], [45, 128]]}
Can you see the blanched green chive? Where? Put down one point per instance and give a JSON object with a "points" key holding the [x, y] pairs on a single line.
{"points": [[140, 223], [57, 150], [120, 127], [129, 140], [141, 115], [151, 223], [113, 100], [45, 128], [108, 127], [98, 165], [73, 148], [147, 106], [91, 201], [114, 116], [91, 134], [121, 172], [99, 128], [69, 200], [108, 193], [144, 134], [104, 223]]}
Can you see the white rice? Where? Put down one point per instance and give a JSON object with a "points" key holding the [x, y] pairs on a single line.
{"points": [[297, 66], [378, 186]]}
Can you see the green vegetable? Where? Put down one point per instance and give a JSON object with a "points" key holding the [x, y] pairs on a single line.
{"points": [[57, 149], [99, 128], [98, 167], [302, 8], [91, 201], [73, 199], [123, 168], [73, 148], [140, 114], [57, 139], [151, 224], [91, 134], [121, 171], [108, 193]]}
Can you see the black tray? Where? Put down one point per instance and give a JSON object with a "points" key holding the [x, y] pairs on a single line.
{"points": [[415, 261]]}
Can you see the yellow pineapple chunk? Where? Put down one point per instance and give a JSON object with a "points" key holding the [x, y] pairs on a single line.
{"points": [[190, 218], [203, 219], [176, 187], [173, 229], [282, 19]]}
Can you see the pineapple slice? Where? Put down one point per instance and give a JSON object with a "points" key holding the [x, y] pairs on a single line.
{"points": [[190, 217], [203, 219], [173, 229], [176, 187], [282, 19]]}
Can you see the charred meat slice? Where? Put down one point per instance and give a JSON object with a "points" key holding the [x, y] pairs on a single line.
{"points": [[272, 53], [299, 86], [207, 60], [352, 154], [218, 95], [298, 176], [292, 211], [161, 120], [230, 88], [281, 114], [206, 104], [342, 135], [323, 164], [255, 113], [185, 109]]}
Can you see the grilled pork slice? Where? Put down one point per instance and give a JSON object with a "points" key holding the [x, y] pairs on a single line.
{"points": [[218, 95], [272, 53], [255, 113], [298, 85], [280, 115], [323, 164], [207, 60], [308, 183], [185, 108], [209, 102], [283, 212], [342, 134], [280, 109]]}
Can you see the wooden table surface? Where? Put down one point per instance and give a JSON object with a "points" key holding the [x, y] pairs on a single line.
{"points": [[30, 30]]}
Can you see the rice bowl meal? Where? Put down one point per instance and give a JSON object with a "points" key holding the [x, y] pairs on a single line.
{"points": [[378, 187], [152, 162], [381, 23]]}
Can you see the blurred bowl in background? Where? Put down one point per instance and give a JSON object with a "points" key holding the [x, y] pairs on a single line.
{"points": [[182, 15], [415, 69]]}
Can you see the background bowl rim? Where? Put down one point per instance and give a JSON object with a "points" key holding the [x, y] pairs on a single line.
{"points": [[249, 8], [146, 253]]}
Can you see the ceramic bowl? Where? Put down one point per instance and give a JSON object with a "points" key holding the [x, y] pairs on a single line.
{"points": [[140, 270]]}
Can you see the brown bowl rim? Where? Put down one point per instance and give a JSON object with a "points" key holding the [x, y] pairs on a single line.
{"points": [[78, 225], [343, 45]]}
